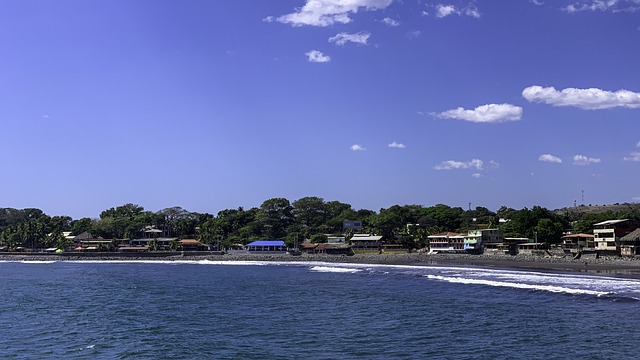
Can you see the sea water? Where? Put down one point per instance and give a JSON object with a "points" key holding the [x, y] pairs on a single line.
{"points": [[248, 310]]}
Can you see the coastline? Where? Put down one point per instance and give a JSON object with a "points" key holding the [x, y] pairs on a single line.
{"points": [[610, 266]]}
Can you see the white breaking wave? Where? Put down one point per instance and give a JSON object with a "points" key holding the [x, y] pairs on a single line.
{"points": [[334, 269], [551, 288]]}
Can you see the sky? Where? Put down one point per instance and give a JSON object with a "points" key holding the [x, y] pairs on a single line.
{"points": [[213, 105]]}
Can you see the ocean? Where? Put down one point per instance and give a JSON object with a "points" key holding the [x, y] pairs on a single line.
{"points": [[249, 310]]}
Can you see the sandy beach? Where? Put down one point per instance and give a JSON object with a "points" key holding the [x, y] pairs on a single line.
{"points": [[612, 266]]}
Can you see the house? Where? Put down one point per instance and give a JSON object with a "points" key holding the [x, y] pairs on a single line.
{"points": [[630, 243], [191, 245], [354, 225], [575, 243], [308, 247], [607, 234], [475, 240], [447, 242], [366, 242], [161, 243], [334, 249], [515, 245], [267, 245]]}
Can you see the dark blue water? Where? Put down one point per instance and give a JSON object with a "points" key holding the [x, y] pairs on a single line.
{"points": [[310, 311]]}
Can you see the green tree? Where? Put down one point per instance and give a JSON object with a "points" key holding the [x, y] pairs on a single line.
{"points": [[275, 216], [311, 213]]}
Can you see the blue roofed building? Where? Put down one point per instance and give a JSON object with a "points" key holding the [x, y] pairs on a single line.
{"points": [[267, 245]]}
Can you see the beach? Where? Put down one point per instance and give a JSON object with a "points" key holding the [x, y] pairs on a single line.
{"points": [[618, 266]]}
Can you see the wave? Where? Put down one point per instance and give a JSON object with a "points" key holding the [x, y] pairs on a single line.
{"points": [[334, 269], [551, 288]]}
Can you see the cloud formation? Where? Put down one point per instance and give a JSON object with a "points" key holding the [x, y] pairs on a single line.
{"points": [[316, 56], [490, 113], [343, 38], [634, 156], [357, 147], [454, 165], [390, 22], [446, 10], [550, 159], [588, 99], [584, 160], [396, 145], [328, 12], [603, 5]]}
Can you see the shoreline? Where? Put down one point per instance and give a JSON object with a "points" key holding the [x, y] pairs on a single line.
{"points": [[610, 266]]}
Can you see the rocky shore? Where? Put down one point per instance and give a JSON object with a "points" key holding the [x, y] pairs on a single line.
{"points": [[628, 267]]}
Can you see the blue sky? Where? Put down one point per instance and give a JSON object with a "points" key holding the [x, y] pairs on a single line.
{"points": [[211, 105]]}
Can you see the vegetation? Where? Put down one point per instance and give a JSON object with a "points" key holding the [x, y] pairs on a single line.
{"points": [[310, 218]]}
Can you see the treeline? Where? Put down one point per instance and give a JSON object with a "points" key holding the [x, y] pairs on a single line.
{"points": [[307, 218]]}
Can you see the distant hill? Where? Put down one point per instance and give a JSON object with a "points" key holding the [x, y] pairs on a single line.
{"points": [[597, 209]]}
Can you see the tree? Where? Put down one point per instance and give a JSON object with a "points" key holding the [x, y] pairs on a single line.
{"points": [[310, 212], [275, 216]]}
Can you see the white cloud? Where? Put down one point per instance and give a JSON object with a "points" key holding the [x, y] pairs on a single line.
{"points": [[396, 145], [494, 164], [634, 156], [476, 175], [413, 34], [317, 56], [445, 10], [584, 160], [638, 144], [472, 11], [490, 113], [328, 12], [550, 158], [343, 38], [454, 165], [537, 2], [588, 99], [357, 147], [390, 22], [604, 5], [637, 198]]}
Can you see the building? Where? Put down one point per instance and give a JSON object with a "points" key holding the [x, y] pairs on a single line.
{"points": [[607, 234], [575, 243], [191, 245], [366, 242], [446, 242], [334, 249], [355, 225], [475, 240], [267, 246], [630, 243]]}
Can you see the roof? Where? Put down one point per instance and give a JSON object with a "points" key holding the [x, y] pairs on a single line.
{"points": [[190, 242], [610, 222], [634, 235], [366, 238], [308, 245], [267, 243], [577, 236], [447, 234]]}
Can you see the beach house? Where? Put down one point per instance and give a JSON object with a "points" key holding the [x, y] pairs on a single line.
{"points": [[475, 240], [446, 242], [607, 235]]}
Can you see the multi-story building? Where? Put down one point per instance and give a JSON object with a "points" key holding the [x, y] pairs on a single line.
{"points": [[449, 242], [475, 240], [607, 234]]}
